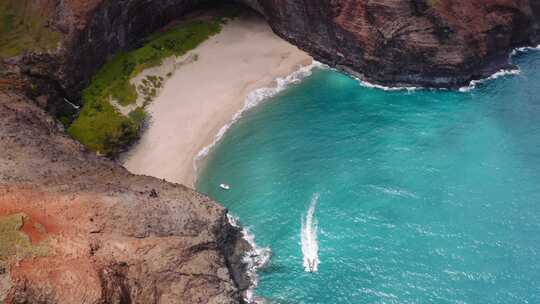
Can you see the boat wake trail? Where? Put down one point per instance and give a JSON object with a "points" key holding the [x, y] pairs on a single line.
{"points": [[310, 247]]}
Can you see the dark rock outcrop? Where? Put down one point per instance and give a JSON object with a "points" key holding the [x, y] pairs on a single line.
{"points": [[94, 233], [437, 43]]}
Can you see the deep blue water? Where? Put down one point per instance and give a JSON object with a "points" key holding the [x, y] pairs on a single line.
{"points": [[424, 197]]}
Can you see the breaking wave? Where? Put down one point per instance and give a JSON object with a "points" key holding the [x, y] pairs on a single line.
{"points": [[259, 95], [474, 83], [308, 237], [501, 73], [367, 84], [254, 259], [525, 49]]}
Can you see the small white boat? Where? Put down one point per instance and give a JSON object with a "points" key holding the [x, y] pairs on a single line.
{"points": [[225, 187]]}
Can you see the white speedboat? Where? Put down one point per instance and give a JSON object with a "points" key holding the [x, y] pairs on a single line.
{"points": [[225, 187]]}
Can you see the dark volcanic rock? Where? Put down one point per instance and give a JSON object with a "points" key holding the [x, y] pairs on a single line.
{"points": [[98, 234], [439, 43]]}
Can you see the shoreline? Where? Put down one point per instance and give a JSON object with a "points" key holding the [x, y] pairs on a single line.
{"points": [[473, 84], [245, 59], [252, 100]]}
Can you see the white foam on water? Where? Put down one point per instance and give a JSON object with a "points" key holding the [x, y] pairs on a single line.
{"points": [[254, 259], [525, 49], [308, 237], [256, 97], [503, 72], [474, 83], [370, 85], [367, 84]]}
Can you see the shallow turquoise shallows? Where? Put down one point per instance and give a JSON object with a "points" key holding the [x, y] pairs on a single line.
{"points": [[423, 197]]}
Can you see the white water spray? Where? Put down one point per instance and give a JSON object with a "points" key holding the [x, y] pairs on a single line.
{"points": [[310, 246], [255, 259]]}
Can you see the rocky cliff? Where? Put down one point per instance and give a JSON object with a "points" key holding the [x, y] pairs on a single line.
{"points": [[78, 228], [437, 43]]}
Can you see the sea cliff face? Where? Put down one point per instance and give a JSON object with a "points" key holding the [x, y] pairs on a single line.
{"points": [[439, 43]]}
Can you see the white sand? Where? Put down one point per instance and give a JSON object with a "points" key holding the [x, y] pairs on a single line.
{"points": [[203, 96]]}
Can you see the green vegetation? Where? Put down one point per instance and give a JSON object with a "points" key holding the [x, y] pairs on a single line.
{"points": [[100, 126], [13, 242], [24, 26]]}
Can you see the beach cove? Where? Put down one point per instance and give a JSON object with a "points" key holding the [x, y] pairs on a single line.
{"points": [[244, 61]]}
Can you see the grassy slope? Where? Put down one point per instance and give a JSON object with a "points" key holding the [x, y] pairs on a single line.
{"points": [[100, 126], [23, 27]]}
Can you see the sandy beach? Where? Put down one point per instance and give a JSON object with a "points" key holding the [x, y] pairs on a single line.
{"points": [[204, 95]]}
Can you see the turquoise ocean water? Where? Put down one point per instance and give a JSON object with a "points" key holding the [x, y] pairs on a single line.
{"points": [[417, 197]]}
